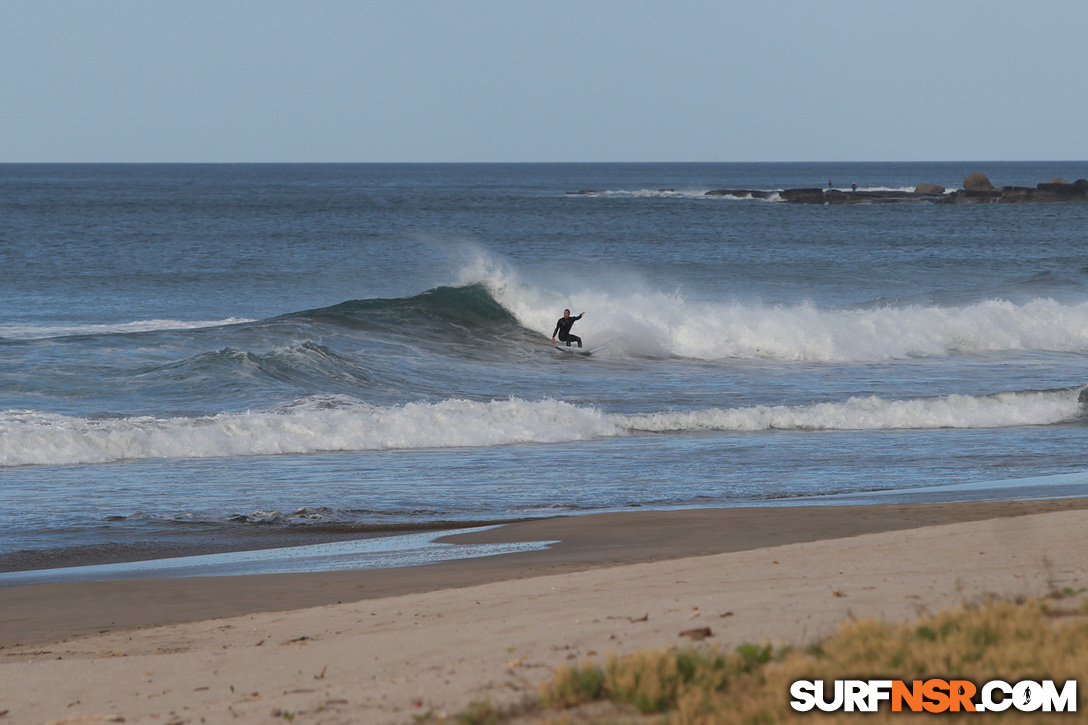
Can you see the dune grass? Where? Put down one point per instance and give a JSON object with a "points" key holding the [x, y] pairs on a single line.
{"points": [[1043, 639]]}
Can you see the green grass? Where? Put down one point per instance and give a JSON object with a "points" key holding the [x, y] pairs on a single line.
{"points": [[1036, 640]]}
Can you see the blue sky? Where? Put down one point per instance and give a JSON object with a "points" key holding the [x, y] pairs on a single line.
{"points": [[542, 80]]}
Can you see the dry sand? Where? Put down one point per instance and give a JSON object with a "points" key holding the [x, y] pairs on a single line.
{"points": [[402, 643]]}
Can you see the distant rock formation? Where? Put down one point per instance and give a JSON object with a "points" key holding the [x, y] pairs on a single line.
{"points": [[837, 196], [977, 189], [1053, 190], [978, 182], [808, 196]]}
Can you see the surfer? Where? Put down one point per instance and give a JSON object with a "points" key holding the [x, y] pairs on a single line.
{"points": [[562, 328]]}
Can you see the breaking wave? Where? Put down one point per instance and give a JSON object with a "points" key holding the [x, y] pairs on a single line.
{"points": [[667, 325], [492, 305], [341, 423]]}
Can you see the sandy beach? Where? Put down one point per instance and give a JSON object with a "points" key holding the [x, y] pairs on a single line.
{"points": [[388, 646]]}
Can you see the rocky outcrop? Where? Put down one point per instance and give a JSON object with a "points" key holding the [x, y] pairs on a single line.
{"points": [[978, 182], [1053, 190], [973, 196], [805, 196], [837, 196], [830, 196], [977, 189]]}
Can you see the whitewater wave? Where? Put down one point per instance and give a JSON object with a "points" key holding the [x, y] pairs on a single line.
{"points": [[1002, 410], [340, 423], [641, 193], [39, 332], [667, 325]]}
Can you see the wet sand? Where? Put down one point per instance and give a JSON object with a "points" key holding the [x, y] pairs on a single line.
{"points": [[383, 645]]}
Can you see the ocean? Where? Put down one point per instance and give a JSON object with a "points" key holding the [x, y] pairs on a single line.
{"points": [[207, 358]]}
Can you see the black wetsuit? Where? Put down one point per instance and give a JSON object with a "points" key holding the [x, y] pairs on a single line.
{"points": [[562, 328]]}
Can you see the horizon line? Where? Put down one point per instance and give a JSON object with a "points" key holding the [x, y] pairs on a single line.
{"points": [[524, 163]]}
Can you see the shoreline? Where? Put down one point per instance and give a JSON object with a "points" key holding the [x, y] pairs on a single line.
{"points": [[237, 544], [37, 613], [428, 641]]}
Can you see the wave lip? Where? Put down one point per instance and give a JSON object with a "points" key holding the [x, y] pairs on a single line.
{"points": [[470, 305], [341, 423]]}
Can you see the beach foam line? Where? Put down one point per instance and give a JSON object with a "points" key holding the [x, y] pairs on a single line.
{"points": [[1059, 486], [386, 552]]}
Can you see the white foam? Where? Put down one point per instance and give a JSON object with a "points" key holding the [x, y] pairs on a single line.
{"points": [[310, 425], [661, 324], [873, 413], [642, 321], [325, 423], [770, 195], [35, 332], [644, 194]]}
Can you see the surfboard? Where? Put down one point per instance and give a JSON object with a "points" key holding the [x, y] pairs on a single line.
{"points": [[581, 350]]}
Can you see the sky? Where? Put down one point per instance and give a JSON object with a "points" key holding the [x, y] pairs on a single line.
{"points": [[542, 80]]}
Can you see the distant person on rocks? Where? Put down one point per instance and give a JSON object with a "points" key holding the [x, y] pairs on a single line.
{"points": [[562, 328], [854, 188]]}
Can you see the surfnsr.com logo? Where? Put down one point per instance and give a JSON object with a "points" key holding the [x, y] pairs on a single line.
{"points": [[934, 695]]}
